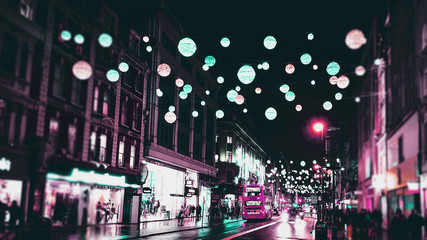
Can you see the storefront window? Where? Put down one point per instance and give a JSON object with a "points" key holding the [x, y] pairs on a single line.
{"points": [[102, 147], [10, 191]]}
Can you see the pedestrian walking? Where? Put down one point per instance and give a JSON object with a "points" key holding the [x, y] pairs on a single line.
{"points": [[15, 213], [198, 211], [415, 222], [399, 226], [181, 216], [237, 209]]}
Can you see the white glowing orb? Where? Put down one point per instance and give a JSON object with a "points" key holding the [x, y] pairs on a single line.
{"points": [[113, 75], [290, 96], [237, 88], [187, 88], [225, 42], [66, 35], [149, 49], [333, 80], [333, 68], [123, 67], [270, 42], [327, 105], [259, 66], [187, 47], [305, 59], [219, 114], [360, 71], [313, 82], [79, 39], [377, 61], [179, 82], [302, 163], [270, 113], [164, 70], [290, 69], [195, 113], [265, 65], [298, 107], [231, 95], [343, 82], [315, 67], [210, 61], [310, 36], [239, 99], [207, 92], [183, 95], [220, 80], [171, 109], [284, 88], [159, 92], [357, 99], [246, 74], [145, 39], [82, 70], [105, 40], [338, 96], [205, 67], [258, 90], [170, 117], [245, 110], [203, 103], [355, 39]]}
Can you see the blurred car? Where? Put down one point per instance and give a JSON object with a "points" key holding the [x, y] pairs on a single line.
{"points": [[276, 212]]}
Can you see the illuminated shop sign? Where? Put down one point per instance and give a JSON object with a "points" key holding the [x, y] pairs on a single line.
{"points": [[5, 164], [93, 178], [146, 190]]}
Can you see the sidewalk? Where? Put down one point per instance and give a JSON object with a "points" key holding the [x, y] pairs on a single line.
{"points": [[118, 231]]}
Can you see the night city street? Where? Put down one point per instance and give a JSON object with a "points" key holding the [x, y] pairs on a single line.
{"points": [[226, 119]]}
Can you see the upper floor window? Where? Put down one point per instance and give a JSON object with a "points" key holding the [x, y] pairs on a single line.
{"points": [[25, 9], [8, 53], [136, 116], [229, 139], [76, 91], [59, 79], [134, 43], [102, 147], [124, 111], [139, 83], [132, 156], [424, 37], [110, 22], [121, 155]]}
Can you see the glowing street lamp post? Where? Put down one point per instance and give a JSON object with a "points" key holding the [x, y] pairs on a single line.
{"points": [[318, 128]]}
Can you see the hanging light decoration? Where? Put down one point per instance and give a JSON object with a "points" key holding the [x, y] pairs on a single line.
{"points": [[164, 70], [195, 113], [220, 80], [123, 67], [79, 39], [270, 42], [65, 35], [333, 80], [219, 114], [225, 42], [239, 99], [170, 117], [112, 75], [355, 39], [187, 47], [105, 40], [270, 113], [82, 70], [210, 61], [187, 88], [265, 65], [327, 105], [246, 74], [183, 95], [179, 82], [290, 69], [231, 95], [343, 82], [333, 68], [305, 59], [298, 107], [310, 36], [360, 71], [284, 88], [290, 96], [338, 96]]}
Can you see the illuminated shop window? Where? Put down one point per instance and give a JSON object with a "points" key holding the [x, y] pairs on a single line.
{"points": [[132, 157], [102, 147], [121, 153]]}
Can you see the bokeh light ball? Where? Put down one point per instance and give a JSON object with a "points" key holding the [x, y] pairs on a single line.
{"points": [[225, 42], [270, 113], [219, 114], [187, 47], [355, 39], [343, 82], [239, 99], [327, 105], [164, 70], [290, 69], [112, 75], [270, 42], [179, 82], [246, 74], [258, 90], [298, 107], [333, 68], [170, 117], [290, 96], [360, 71], [105, 40], [82, 70]]}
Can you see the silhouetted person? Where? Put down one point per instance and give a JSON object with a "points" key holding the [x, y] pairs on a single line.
{"points": [[98, 212], [398, 226], [181, 216], [415, 221], [237, 209], [15, 212], [3, 208], [198, 211]]}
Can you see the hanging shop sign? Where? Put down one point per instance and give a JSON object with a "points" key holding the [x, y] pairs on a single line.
{"points": [[146, 190], [189, 191]]}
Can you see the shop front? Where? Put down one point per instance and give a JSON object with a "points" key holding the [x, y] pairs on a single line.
{"points": [[85, 197], [163, 193], [14, 184]]}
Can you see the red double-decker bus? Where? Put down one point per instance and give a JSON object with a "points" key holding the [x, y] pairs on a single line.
{"points": [[257, 202]]}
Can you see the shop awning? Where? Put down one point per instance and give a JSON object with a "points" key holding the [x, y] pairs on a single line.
{"points": [[91, 177]]}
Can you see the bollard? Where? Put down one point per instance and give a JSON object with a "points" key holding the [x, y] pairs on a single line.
{"points": [[321, 231]]}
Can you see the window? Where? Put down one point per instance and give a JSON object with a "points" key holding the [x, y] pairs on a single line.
{"points": [[229, 152], [24, 60], [136, 116], [216, 138], [424, 37], [110, 23], [93, 145], [126, 78], [72, 132], [3, 116], [121, 153], [59, 79], [105, 101], [132, 157], [229, 139], [401, 156], [76, 91], [134, 44], [8, 53], [25, 9], [124, 112], [102, 147], [95, 98], [139, 83], [168, 44]]}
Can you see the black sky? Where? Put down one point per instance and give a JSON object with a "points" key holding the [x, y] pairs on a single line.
{"points": [[246, 24]]}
